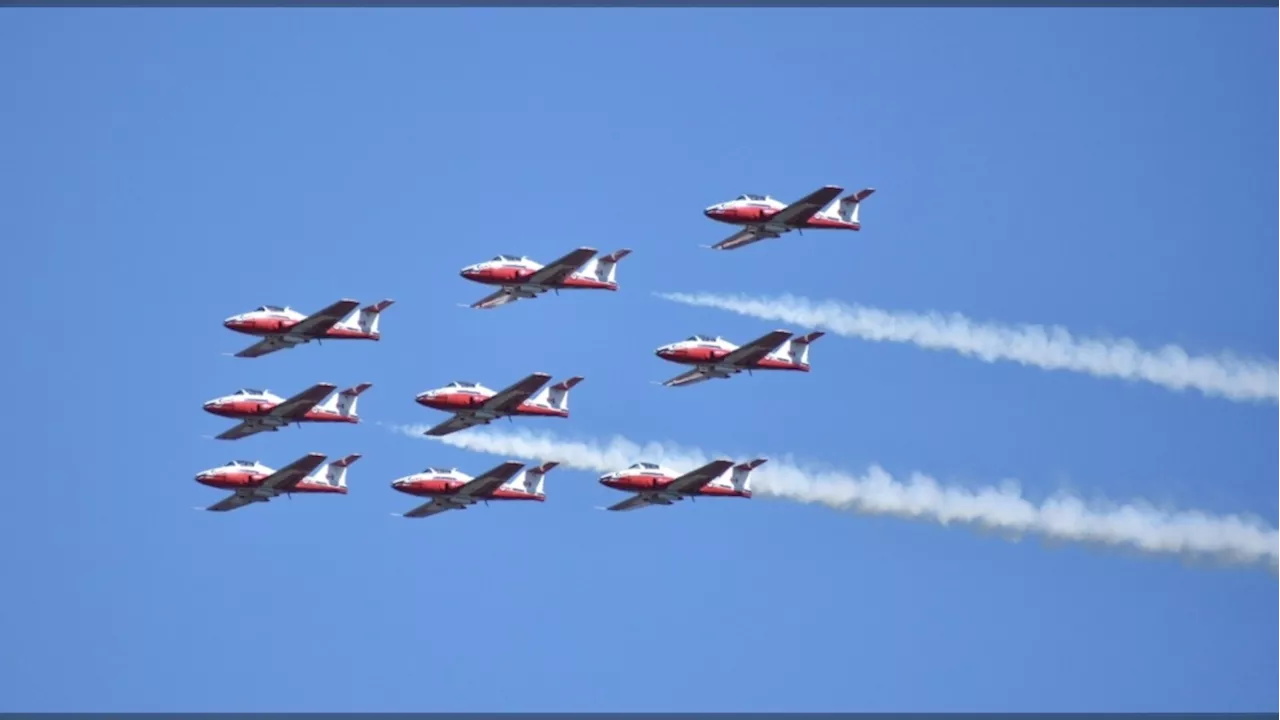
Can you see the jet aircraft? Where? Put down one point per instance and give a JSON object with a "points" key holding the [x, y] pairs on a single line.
{"points": [[766, 218], [715, 357], [474, 404], [254, 482], [520, 277], [656, 485], [263, 410], [283, 327], [451, 489]]}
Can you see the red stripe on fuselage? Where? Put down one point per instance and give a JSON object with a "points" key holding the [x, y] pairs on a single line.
{"points": [[257, 408], [519, 276], [455, 402], [709, 356], [236, 481], [439, 486], [259, 327], [759, 216], [642, 483]]}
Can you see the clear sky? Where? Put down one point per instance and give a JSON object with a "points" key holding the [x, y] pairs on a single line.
{"points": [[1106, 170]]}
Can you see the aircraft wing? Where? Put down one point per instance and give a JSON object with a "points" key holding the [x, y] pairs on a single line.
{"points": [[745, 236], [509, 398], [691, 377], [489, 481], [234, 501], [431, 507], [300, 404], [635, 502], [318, 323], [752, 352], [695, 480], [497, 299], [557, 270], [290, 475], [242, 430], [798, 212], [461, 421], [265, 346]]}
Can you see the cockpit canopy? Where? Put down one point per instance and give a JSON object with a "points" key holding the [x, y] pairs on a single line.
{"points": [[438, 471], [508, 258], [752, 198], [249, 391], [271, 308], [242, 463], [703, 338], [643, 466], [462, 384]]}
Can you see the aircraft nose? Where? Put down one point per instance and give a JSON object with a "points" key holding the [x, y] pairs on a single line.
{"points": [[210, 405]]}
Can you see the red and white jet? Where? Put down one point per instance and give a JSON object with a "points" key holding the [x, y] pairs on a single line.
{"points": [[765, 217], [263, 410], [521, 277], [283, 327], [254, 482], [450, 489], [474, 404], [715, 357], [656, 485]]}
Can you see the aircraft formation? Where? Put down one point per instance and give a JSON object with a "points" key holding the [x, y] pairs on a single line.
{"points": [[470, 403]]}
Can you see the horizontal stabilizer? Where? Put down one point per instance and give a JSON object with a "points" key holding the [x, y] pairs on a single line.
{"points": [[568, 384]]}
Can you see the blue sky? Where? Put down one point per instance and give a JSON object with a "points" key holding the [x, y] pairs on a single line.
{"points": [[1109, 171]]}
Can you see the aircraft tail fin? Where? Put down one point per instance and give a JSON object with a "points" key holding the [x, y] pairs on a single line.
{"points": [[345, 401], [335, 473], [557, 396], [605, 269], [741, 476], [798, 348], [369, 315], [533, 480], [847, 210]]}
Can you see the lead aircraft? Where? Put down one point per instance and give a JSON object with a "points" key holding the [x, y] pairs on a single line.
{"points": [[263, 410], [254, 482], [656, 485], [282, 328], [766, 218], [451, 489], [474, 404], [520, 277], [715, 357]]}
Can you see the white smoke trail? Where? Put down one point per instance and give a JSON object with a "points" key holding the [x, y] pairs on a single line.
{"points": [[1051, 348], [1228, 539]]}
